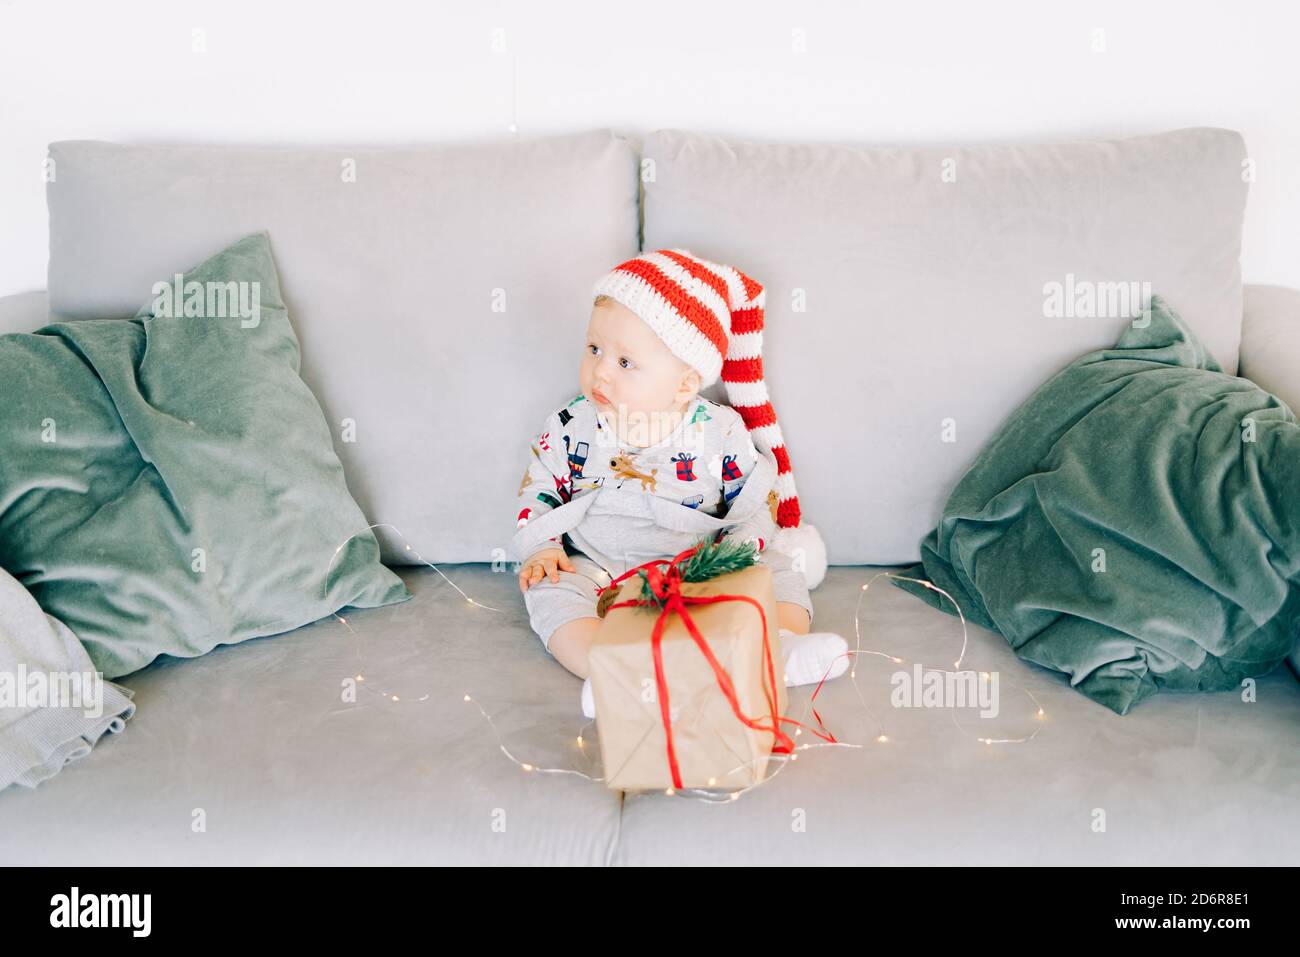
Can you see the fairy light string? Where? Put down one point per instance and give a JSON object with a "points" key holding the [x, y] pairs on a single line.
{"points": [[360, 676], [965, 641], [776, 763]]}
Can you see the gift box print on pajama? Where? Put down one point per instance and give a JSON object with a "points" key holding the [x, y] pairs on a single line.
{"points": [[614, 506]]}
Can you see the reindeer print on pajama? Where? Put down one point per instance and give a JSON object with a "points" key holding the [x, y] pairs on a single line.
{"points": [[613, 506]]}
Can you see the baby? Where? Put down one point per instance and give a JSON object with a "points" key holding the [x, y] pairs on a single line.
{"points": [[639, 466]]}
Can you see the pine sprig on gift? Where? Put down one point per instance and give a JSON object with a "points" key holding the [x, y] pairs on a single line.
{"points": [[713, 560]]}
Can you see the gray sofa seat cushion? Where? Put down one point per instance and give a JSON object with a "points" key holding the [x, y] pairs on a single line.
{"points": [[286, 772], [266, 747]]}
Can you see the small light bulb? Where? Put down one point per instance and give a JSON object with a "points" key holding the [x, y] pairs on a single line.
{"points": [[526, 767], [395, 698], [668, 791], [882, 739], [712, 782], [466, 697]]}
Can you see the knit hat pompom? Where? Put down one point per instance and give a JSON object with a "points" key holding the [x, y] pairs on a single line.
{"points": [[711, 317]]}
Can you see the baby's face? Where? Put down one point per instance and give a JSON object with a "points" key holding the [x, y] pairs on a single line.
{"points": [[630, 374]]}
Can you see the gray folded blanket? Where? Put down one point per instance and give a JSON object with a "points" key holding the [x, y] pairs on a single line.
{"points": [[54, 707]]}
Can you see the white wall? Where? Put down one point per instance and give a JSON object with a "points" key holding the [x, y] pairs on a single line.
{"points": [[381, 71]]}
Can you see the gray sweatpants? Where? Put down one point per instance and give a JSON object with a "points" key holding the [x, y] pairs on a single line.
{"points": [[608, 543]]}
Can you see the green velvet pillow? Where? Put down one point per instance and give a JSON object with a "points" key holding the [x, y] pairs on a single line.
{"points": [[1135, 524], [168, 482]]}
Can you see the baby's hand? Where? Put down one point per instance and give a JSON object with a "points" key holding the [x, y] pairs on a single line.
{"points": [[542, 564]]}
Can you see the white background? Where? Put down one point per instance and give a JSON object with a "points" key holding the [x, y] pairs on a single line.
{"points": [[882, 73]]}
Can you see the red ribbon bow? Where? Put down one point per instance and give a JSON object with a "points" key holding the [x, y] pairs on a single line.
{"points": [[666, 586]]}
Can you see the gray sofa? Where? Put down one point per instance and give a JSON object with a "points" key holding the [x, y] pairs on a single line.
{"points": [[882, 270]]}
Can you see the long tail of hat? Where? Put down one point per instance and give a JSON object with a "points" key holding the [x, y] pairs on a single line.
{"points": [[742, 377]]}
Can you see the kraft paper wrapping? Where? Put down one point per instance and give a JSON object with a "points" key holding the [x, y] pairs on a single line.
{"points": [[714, 748]]}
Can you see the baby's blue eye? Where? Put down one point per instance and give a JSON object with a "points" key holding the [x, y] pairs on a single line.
{"points": [[595, 351]]}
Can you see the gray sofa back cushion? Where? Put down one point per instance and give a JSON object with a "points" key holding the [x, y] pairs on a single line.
{"points": [[439, 294], [909, 290]]}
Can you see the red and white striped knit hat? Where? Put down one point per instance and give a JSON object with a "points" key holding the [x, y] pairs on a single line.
{"points": [[711, 317]]}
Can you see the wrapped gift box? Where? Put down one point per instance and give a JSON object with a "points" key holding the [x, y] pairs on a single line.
{"points": [[713, 747]]}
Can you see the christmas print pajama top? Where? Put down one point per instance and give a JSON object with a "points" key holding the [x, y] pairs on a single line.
{"points": [[613, 506]]}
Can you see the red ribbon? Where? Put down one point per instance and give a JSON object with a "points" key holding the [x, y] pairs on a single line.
{"points": [[666, 586]]}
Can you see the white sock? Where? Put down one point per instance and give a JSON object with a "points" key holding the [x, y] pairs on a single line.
{"points": [[588, 702], [811, 657]]}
